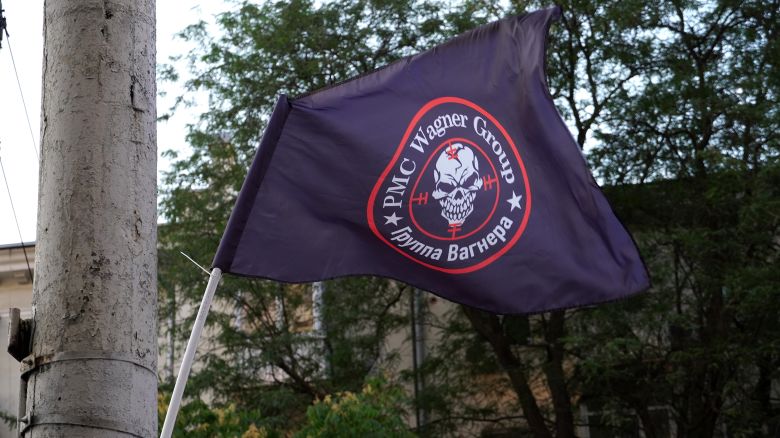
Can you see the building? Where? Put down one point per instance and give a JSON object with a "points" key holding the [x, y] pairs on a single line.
{"points": [[16, 264]]}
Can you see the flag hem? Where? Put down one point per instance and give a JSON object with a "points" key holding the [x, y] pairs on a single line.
{"points": [[234, 229], [583, 305]]}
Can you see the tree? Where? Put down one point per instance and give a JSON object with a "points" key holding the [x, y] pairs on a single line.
{"points": [[705, 116]]}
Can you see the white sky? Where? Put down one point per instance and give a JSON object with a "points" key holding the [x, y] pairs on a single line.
{"points": [[25, 18]]}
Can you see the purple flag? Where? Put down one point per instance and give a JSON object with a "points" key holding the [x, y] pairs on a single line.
{"points": [[450, 170]]}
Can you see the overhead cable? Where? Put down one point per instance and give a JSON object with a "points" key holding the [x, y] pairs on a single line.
{"points": [[16, 219]]}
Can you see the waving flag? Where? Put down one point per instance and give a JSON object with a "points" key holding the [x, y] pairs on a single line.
{"points": [[450, 170]]}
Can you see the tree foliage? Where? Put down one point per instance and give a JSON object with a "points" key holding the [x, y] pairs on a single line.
{"points": [[375, 411], [196, 419], [699, 141]]}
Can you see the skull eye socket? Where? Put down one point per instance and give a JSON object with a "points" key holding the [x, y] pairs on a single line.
{"points": [[471, 180], [445, 187]]}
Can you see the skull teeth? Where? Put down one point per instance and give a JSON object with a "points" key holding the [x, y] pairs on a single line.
{"points": [[457, 210]]}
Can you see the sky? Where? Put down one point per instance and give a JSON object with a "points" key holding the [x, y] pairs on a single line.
{"points": [[18, 149]]}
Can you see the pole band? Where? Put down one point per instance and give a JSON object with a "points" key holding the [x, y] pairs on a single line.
{"points": [[31, 364], [86, 421]]}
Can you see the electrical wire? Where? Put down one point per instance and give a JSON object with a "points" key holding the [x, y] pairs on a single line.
{"points": [[16, 219], [24, 104], [4, 29], [195, 263]]}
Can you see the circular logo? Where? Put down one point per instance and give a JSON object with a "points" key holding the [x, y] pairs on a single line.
{"points": [[455, 196]]}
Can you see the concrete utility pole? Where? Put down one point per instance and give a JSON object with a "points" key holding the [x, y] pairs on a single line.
{"points": [[92, 370]]}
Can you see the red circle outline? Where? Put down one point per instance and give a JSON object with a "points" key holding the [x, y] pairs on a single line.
{"points": [[427, 163], [383, 177]]}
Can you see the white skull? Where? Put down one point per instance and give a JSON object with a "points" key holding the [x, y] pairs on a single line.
{"points": [[457, 182]]}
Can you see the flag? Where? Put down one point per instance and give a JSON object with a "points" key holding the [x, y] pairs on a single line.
{"points": [[449, 170]]}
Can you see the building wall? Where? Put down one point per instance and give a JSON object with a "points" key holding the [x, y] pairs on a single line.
{"points": [[15, 291]]}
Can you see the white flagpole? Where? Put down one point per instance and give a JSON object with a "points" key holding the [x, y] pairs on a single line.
{"points": [[189, 354]]}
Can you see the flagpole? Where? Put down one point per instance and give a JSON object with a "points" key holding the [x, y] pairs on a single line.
{"points": [[189, 354]]}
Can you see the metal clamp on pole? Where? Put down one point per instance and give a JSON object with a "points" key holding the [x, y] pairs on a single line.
{"points": [[19, 342], [31, 364], [19, 335], [3, 24], [86, 421]]}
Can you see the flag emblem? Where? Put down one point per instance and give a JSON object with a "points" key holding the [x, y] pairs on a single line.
{"points": [[455, 195]]}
